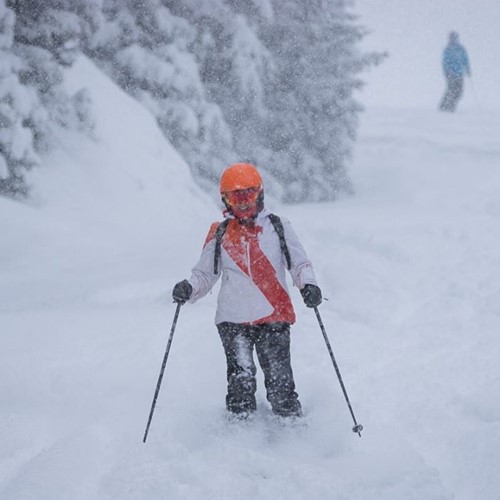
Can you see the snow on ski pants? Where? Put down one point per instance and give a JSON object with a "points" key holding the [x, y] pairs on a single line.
{"points": [[272, 344]]}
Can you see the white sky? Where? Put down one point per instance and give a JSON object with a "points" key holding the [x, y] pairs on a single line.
{"points": [[414, 32]]}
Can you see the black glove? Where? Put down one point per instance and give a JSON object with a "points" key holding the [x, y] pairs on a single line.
{"points": [[182, 291], [311, 295]]}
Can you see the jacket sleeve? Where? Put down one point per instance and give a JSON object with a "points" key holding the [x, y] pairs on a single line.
{"points": [[203, 277], [301, 267]]}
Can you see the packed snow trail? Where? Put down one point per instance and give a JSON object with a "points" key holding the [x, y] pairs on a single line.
{"points": [[410, 267]]}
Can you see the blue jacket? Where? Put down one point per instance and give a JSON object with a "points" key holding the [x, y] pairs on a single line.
{"points": [[455, 60]]}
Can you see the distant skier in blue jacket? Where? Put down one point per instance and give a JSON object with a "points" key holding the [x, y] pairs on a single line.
{"points": [[455, 65]]}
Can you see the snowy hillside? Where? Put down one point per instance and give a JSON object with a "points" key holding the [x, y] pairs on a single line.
{"points": [[411, 268]]}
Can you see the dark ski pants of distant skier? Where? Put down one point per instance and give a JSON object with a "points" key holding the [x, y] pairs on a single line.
{"points": [[272, 344], [453, 93]]}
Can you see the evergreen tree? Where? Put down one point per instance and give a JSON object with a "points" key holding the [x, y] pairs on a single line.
{"points": [[284, 75], [312, 114], [232, 63], [265, 81], [39, 38], [149, 51], [17, 154]]}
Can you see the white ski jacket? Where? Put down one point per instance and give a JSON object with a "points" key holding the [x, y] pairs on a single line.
{"points": [[252, 264]]}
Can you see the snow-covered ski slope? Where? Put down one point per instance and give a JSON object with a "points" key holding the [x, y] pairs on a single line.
{"points": [[411, 268]]}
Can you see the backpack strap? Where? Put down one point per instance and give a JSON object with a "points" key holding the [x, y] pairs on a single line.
{"points": [[219, 233], [278, 227]]}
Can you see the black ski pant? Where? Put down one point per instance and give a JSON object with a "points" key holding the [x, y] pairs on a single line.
{"points": [[272, 344], [453, 93]]}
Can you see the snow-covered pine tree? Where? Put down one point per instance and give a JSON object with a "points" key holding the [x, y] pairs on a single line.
{"points": [[17, 153], [284, 75], [41, 37], [261, 80], [232, 62], [148, 51], [311, 115]]}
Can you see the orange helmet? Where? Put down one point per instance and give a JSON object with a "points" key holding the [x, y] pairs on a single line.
{"points": [[240, 176], [242, 191]]}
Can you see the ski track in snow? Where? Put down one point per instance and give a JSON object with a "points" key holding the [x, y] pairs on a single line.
{"points": [[410, 266]]}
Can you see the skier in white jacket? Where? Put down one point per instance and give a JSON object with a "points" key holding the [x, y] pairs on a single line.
{"points": [[254, 307]]}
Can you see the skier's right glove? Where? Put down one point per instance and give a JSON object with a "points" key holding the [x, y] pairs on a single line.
{"points": [[182, 291], [311, 295]]}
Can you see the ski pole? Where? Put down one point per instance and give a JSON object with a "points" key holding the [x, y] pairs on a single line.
{"points": [[164, 363], [357, 427]]}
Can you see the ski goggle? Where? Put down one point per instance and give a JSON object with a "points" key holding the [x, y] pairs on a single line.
{"points": [[242, 197]]}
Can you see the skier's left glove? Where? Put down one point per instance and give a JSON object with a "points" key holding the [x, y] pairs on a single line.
{"points": [[182, 291], [311, 295]]}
